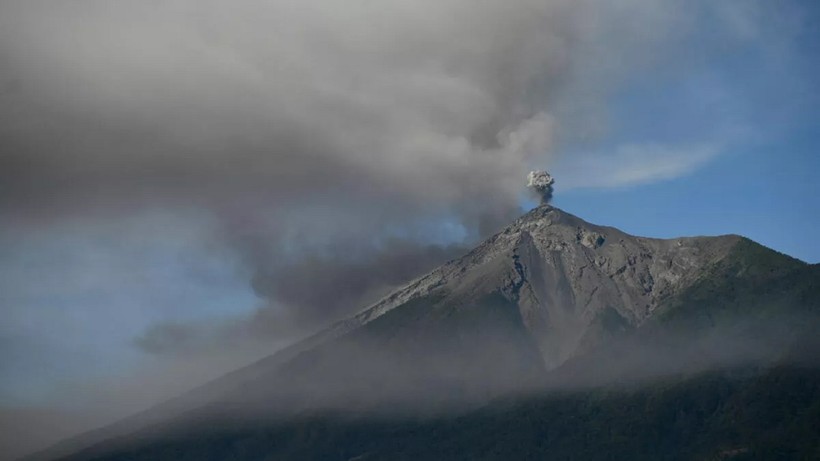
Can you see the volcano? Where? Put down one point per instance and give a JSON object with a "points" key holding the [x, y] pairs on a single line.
{"points": [[553, 339]]}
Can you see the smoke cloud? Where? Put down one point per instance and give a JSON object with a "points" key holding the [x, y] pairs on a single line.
{"points": [[541, 183], [306, 129]]}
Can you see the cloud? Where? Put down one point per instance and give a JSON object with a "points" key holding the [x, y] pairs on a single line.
{"points": [[635, 164], [206, 104]]}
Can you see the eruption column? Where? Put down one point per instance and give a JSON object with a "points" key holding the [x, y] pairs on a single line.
{"points": [[541, 182]]}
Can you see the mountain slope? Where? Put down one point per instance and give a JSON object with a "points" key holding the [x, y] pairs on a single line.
{"points": [[562, 273], [550, 296]]}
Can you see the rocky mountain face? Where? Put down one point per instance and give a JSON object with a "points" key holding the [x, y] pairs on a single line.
{"points": [[569, 281], [550, 295]]}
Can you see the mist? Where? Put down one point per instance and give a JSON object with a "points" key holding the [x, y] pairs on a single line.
{"points": [[479, 363]]}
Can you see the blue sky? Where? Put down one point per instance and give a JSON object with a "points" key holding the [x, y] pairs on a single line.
{"points": [[769, 195], [757, 105], [763, 185]]}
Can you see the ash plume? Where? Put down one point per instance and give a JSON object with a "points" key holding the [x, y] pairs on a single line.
{"points": [[541, 183]]}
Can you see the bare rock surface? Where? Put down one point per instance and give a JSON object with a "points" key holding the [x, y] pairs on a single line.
{"points": [[563, 272]]}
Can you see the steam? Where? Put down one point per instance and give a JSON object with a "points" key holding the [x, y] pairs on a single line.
{"points": [[541, 183]]}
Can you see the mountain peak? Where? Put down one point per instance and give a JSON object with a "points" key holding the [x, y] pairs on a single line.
{"points": [[549, 220], [562, 274]]}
